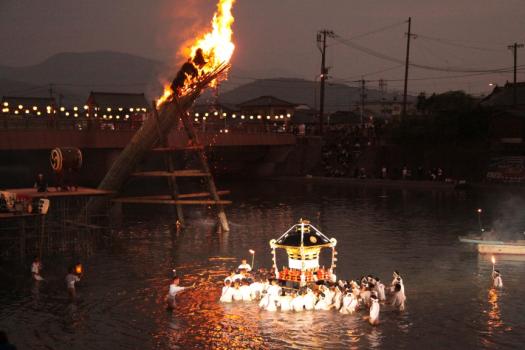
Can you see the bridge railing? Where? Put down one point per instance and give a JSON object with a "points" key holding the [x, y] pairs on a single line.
{"points": [[18, 122]]}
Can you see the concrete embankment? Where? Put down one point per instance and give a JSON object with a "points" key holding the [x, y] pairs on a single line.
{"points": [[409, 184]]}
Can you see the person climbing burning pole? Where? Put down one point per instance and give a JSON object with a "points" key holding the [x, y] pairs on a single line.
{"points": [[188, 71]]}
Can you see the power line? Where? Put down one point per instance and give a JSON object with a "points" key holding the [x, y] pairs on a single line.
{"points": [[100, 84], [375, 72], [427, 67], [456, 43], [436, 77], [375, 31]]}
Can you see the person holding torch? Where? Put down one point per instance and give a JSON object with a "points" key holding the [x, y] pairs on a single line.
{"points": [[244, 264], [497, 282]]}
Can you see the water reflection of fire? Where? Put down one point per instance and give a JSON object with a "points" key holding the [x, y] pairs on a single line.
{"points": [[494, 321], [206, 54], [203, 323]]}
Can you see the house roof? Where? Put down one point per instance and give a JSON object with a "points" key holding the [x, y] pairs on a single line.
{"points": [[266, 101], [29, 102], [344, 117], [225, 107], [305, 116], [503, 96], [118, 100]]}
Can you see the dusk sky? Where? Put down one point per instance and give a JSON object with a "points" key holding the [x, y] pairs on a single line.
{"points": [[277, 37]]}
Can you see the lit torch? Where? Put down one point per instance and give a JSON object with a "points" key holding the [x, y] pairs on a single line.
{"points": [[252, 252], [78, 269], [206, 54], [493, 259]]}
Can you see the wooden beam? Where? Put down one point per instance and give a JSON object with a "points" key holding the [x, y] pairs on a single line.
{"points": [[142, 200], [168, 160], [176, 173], [174, 149], [188, 125], [182, 196]]}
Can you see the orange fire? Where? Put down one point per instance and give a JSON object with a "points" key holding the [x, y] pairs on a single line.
{"points": [[216, 45], [493, 259]]}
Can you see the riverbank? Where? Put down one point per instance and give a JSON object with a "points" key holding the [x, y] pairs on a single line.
{"points": [[413, 184]]}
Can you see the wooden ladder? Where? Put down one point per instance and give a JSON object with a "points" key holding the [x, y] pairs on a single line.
{"points": [[212, 197]]}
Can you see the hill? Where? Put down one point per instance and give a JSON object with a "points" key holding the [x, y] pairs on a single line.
{"points": [[300, 91], [74, 75]]}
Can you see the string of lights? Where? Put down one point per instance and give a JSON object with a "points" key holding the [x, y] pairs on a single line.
{"points": [[75, 111], [123, 113]]}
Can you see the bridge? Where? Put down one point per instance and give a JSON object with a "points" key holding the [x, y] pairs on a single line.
{"points": [[42, 134]]}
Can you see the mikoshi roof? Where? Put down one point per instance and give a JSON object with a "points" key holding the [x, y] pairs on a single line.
{"points": [[305, 232]]}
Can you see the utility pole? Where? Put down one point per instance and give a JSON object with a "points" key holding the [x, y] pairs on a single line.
{"points": [[321, 44], [363, 98], [514, 47], [382, 89], [407, 64]]}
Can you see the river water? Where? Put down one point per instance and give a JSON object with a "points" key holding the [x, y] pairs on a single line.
{"points": [[121, 304]]}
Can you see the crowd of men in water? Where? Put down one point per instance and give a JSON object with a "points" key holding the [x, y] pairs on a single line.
{"points": [[243, 284], [346, 297]]}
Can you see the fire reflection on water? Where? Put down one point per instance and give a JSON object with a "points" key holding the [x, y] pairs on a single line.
{"points": [[495, 324], [494, 321], [200, 321]]}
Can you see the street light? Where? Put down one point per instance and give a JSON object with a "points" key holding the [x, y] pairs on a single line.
{"points": [[479, 220]]}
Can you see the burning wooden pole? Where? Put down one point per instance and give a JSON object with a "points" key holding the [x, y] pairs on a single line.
{"points": [[148, 136]]}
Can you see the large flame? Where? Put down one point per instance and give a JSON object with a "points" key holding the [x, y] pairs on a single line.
{"points": [[217, 45]]}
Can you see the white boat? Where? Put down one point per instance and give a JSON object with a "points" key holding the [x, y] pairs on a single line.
{"points": [[476, 239], [511, 248]]}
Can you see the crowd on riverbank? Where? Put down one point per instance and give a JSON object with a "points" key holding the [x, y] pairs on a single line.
{"points": [[342, 156]]}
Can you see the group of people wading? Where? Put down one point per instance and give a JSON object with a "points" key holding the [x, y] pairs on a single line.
{"points": [[346, 297]]}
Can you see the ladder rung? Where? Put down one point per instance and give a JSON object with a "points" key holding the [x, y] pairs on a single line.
{"points": [[185, 195], [176, 173], [174, 149], [143, 200]]}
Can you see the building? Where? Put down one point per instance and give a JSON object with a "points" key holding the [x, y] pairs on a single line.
{"points": [[117, 106], [30, 106], [507, 131], [267, 106], [507, 119], [385, 108], [345, 118], [502, 97], [218, 116]]}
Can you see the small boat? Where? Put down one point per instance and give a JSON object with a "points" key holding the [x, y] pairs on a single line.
{"points": [[511, 248], [476, 239]]}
